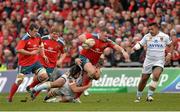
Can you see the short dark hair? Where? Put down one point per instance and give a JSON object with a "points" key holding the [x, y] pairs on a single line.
{"points": [[74, 70], [153, 24], [33, 26]]}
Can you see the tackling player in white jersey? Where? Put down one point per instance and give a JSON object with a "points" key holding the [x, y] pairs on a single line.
{"points": [[156, 42], [65, 87]]}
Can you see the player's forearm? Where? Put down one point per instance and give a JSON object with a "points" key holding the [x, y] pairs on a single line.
{"points": [[80, 89], [119, 48], [62, 56], [42, 52], [24, 52]]}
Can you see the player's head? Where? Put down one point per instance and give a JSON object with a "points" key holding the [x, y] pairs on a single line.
{"points": [[54, 33], [103, 34], [75, 71], [33, 30], [153, 28]]}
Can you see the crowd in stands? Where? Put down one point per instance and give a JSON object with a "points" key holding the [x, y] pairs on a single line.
{"points": [[126, 21]]}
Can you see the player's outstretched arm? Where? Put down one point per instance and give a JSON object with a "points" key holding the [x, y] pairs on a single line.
{"points": [[77, 89], [125, 54]]}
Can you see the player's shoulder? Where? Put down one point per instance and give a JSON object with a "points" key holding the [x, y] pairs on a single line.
{"points": [[25, 36], [147, 35], [45, 37], [162, 34], [61, 41]]}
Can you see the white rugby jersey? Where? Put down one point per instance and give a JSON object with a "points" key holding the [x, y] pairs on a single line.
{"points": [[156, 45], [65, 89]]}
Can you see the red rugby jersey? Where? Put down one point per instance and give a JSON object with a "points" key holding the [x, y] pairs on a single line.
{"points": [[94, 53], [52, 49], [28, 43]]}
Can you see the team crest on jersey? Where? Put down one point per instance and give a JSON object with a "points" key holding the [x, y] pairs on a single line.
{"points": [[155, 41], [161, 38]]}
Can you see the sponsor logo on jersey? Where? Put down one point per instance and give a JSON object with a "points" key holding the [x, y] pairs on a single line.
{"points": [[155, 46], [155, 41]]}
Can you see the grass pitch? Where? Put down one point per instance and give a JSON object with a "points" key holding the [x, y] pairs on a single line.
{"points": [[95, 102]]}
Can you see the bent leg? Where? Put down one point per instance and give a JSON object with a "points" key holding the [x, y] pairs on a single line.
{"points": [[153, 84], [14, 87], [142, 84]]}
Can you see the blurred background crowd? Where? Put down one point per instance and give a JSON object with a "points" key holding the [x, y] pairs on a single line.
{"points": [[126, 21]]}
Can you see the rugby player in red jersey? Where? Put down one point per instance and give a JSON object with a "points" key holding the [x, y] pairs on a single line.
{"points": [[28, 49], [53, 48], [94, 45]]}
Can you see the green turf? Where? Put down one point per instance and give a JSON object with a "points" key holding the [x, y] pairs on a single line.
{"points": [[97, 102]]}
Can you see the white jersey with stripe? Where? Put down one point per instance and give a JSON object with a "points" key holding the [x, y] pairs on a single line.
{"points": [[65, 89], [156, 45]]}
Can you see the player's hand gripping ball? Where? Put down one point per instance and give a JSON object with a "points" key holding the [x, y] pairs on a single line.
{"points": [[88, 43]]}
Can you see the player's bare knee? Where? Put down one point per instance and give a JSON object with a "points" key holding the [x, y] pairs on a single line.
{"points": [[156, 77], [43, 77], [19, 78], [19, 82], [42, 74], [92, 73]]}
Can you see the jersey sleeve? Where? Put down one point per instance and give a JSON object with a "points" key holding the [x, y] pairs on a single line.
{"points": [[21, 44], [168, 40], [143, 40], [111, 43]]}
